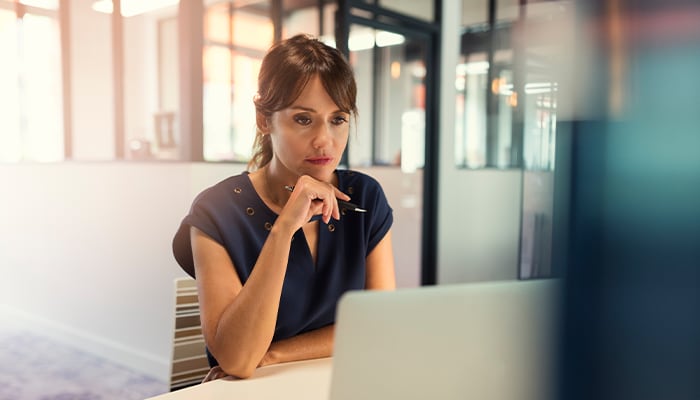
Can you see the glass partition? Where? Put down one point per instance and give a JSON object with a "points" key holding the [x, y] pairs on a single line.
{"points": [[421, 9], [390, 70], [506, 108], [235, 41], [507, 95], [130, 89], [30, 82], [150, 76]]}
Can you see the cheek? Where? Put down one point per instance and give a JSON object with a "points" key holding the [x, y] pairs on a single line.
{"points": [[343, 136], [285, 143]]}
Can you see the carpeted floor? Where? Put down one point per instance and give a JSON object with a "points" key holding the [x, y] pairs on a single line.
{"points": [[34, 367]]}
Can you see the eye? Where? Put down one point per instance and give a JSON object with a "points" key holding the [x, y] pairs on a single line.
{"points": [[339, 120], [302, 119]]}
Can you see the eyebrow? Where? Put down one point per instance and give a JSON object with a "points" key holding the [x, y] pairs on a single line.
{"points": [[309, 109]]}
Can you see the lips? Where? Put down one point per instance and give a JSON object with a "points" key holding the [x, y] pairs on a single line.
{"points": [[319, 160]]}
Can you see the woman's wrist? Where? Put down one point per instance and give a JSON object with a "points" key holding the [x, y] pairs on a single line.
{"points": [[282, 230]]}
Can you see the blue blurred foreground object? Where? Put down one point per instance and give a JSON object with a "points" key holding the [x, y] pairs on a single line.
{"points": [[631, 325]]}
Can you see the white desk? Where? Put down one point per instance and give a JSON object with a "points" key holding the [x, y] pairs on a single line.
{"points": [[308, 380]]}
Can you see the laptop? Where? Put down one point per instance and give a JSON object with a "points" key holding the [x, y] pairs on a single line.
{"points": [[492, 341]]}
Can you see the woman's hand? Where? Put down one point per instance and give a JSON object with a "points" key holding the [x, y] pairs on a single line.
{"points": [[311, 197]]}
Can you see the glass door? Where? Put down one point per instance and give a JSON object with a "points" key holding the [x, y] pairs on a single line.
{"points": [[390, 70], [393, 55]]}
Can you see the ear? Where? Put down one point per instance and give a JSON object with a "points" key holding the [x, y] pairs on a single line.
{"points": [[263, 123]]}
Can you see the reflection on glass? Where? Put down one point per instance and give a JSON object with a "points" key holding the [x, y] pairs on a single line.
{"points": [[475, 12], [165, 119], [360, 142], [484, 139], [311, 18], [470, 127], [484, 136], [539, 125], [390, 72], [130, 8], [11, 139], [236, 39], [46, 4], [150, 82], [506, 97], [421, 9], [30, 88], [367, 39], [229, 115]]}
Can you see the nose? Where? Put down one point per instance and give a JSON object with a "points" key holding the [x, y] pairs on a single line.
{"points": [[322, 136]]}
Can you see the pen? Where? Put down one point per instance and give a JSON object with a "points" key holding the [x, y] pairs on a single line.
{"points": [[343, 204]]}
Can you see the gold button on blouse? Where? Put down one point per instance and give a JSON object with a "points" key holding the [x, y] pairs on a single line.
{"points": [[268, 226], [250, 211], [331, 227], [236, 190]]}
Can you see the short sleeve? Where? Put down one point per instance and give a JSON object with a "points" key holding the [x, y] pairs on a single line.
{"points": [[382, 214], [202, 215]]}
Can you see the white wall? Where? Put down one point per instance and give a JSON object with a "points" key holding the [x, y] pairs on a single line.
{"points": [[86, 252], [479, 226]]}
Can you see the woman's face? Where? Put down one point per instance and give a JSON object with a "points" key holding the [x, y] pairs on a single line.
{"points": [[309, 137]]}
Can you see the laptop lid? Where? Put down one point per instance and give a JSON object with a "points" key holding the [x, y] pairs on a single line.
{"points": [[491, 341]]}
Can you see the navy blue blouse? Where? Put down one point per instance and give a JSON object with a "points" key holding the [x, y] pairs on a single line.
{"points": [[232, 213]]}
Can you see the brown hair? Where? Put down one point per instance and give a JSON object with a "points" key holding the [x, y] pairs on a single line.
{"points": [[286, 69]]}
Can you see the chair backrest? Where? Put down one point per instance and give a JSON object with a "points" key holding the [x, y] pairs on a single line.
{"points": [[189, 360]]}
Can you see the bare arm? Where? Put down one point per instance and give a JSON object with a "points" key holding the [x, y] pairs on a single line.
{"points": [[380, 266], [317, 343], [238, 321]]}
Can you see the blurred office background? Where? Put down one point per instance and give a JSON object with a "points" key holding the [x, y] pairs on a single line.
{"points": [[516, 139]]}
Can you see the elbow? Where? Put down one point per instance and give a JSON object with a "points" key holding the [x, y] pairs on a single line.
{"points": [[240, 365], [239, 361], [240, 370]]}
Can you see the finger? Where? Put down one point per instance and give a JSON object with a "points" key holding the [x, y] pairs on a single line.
{"points": [[337, 195], [325, 197], [329, 203], [340, 195], [336, 212], [315, 208]]}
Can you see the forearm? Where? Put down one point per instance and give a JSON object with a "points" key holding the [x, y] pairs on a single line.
{"points": [[313, 344], [244, 330]]}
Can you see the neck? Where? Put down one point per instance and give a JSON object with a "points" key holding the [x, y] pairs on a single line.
{"points": [[274, 187]]}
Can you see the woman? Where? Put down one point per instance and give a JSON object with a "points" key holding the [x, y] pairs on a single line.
{"points": [[272, 249]]}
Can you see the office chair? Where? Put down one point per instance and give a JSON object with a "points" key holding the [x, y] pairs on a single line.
{"points": [[189, 360]]}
